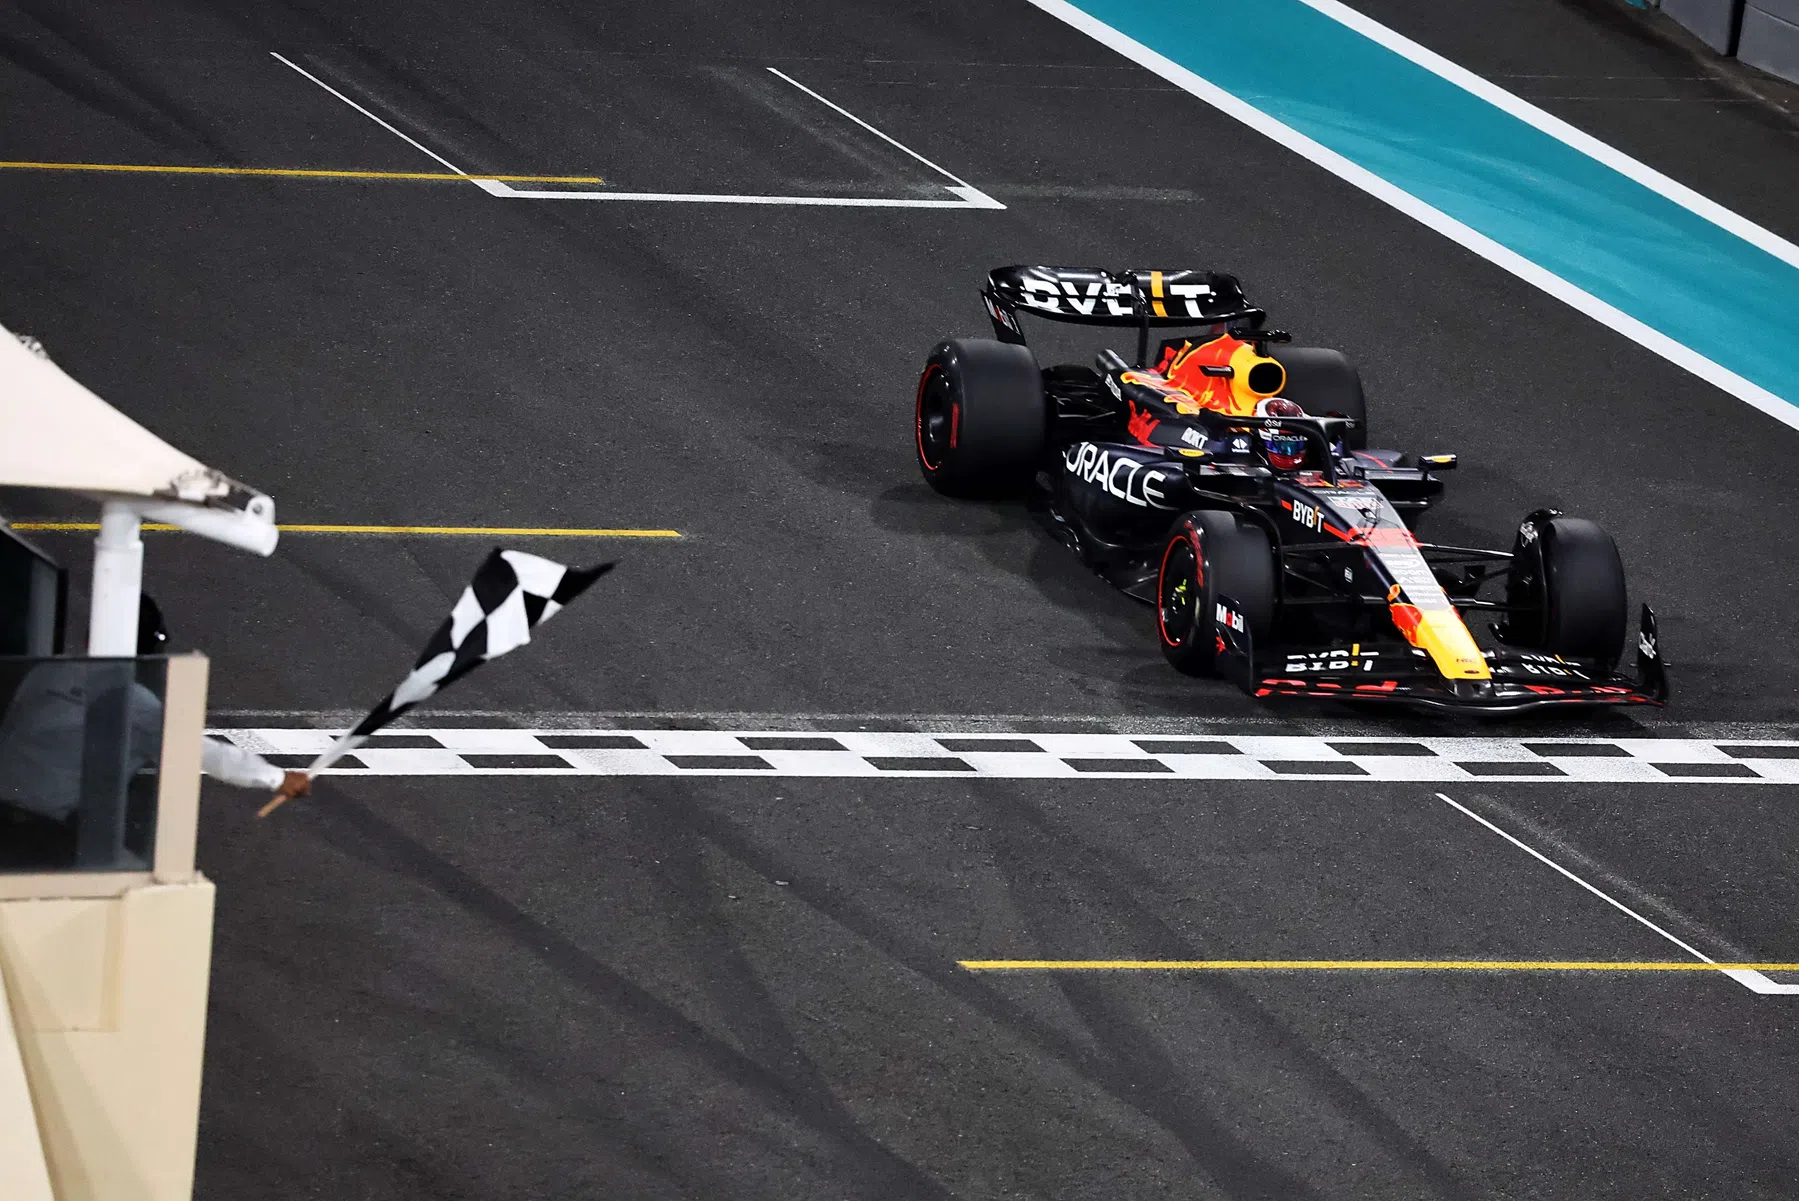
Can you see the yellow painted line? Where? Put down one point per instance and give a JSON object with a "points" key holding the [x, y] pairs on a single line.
{"points": [[441, 530], [1358, 965], [293, 172]]}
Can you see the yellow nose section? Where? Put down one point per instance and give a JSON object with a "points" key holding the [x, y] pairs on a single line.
{"points": [[1441, 635]]}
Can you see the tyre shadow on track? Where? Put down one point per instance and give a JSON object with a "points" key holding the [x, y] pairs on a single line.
{"points": [[1010, 539], [1014, 543], [1120, 663]]}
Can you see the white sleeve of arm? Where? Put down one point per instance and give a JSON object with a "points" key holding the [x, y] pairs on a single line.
{"points": [[234, 765]]}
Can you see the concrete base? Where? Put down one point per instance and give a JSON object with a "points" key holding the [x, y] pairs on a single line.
{"points": [[1713, 22], [1770, 37], [24, 1173], [108, 1007]]}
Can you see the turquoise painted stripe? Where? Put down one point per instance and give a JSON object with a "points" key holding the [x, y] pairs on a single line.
{"points": [[1601, 231]]}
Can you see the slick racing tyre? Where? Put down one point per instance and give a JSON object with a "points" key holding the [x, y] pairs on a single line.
{"points": [[1325, 384], [982, 420], [1207, 555], [1565, 590]]}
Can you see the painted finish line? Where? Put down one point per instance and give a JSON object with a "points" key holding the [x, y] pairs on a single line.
{"points": [[610, 752]]}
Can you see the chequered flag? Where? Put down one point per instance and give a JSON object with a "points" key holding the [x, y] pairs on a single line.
{"points": [[511, 595]]}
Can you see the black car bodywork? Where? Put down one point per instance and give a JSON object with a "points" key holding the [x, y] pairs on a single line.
{"points": [[1351, 604]]}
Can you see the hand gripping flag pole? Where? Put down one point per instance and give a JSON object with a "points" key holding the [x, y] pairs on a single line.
{"points": [[511, 595]]}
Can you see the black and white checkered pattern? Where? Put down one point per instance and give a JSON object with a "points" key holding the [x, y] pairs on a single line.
{"points": [[675, 752], [511, 595]]}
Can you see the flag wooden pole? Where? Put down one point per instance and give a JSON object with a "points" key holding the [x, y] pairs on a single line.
{"points": [[343, 746]]}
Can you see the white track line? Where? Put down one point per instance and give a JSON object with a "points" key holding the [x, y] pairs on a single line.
{"points": [[1154, 726], [967, 195], [1752, 980], [1427, 215], [896, 144], [413, 142], [971, 198]]}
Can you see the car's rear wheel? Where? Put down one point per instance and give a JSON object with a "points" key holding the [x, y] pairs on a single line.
{"points": [[1325, 384], [982, 419], [1208, 555], [1565, 591]]}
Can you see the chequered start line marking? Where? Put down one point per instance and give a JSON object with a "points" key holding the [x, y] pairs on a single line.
{"points": [[462, 752]]}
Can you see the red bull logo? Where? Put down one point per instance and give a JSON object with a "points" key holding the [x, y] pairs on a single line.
{"points": [[1142, 425]]}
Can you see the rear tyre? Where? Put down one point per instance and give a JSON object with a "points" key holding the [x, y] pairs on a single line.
{"points": [[1566, 590], [982, 420], [1325, 384], [1209, 554]]}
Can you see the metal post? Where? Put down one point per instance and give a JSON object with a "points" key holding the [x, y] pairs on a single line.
{"points": [[118, 583]]}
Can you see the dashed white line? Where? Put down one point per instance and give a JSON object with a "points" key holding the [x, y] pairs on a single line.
{"points": [[640, 750]]}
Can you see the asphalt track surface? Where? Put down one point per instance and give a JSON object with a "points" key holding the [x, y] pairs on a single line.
{"points": [[661, 987]]}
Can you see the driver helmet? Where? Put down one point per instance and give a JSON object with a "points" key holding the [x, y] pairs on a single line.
{"points": [[1286, 448]]}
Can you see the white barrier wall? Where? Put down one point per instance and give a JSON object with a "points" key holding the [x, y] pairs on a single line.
{"points": [[1762, 33], [1770, 37], [1713, 22]]}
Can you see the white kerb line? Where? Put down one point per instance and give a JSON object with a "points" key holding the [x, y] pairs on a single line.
{"points": [[838, 108], [411, 141], [1752, 980], [1355, 174], [1699, 205]]}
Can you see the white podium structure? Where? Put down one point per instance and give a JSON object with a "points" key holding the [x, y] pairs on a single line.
{"points": [[104, 972]]}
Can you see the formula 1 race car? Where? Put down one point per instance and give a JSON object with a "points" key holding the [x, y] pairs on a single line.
{"points": [[1230, 486]]}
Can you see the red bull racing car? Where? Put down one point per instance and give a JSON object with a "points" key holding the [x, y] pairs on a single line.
{"points": [[1227, 482]]}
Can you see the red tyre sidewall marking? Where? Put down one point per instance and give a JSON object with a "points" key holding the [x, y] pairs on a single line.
{"points": [[1162, 579], [1203, 610], [918, 421]]}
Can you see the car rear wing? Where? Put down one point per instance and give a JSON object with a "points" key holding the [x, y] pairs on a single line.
{"points": [[1091, 296]]}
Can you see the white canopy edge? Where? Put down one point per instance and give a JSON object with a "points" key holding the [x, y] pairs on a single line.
{"points": [[59, 435]]}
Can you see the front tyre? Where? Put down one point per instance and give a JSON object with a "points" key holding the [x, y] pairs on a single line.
{"points": [[1210, 554], [982, 419], [1565, 591]]}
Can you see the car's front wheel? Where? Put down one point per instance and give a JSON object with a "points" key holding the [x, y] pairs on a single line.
{"points": [[1565, 591], [1207, 555]]}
